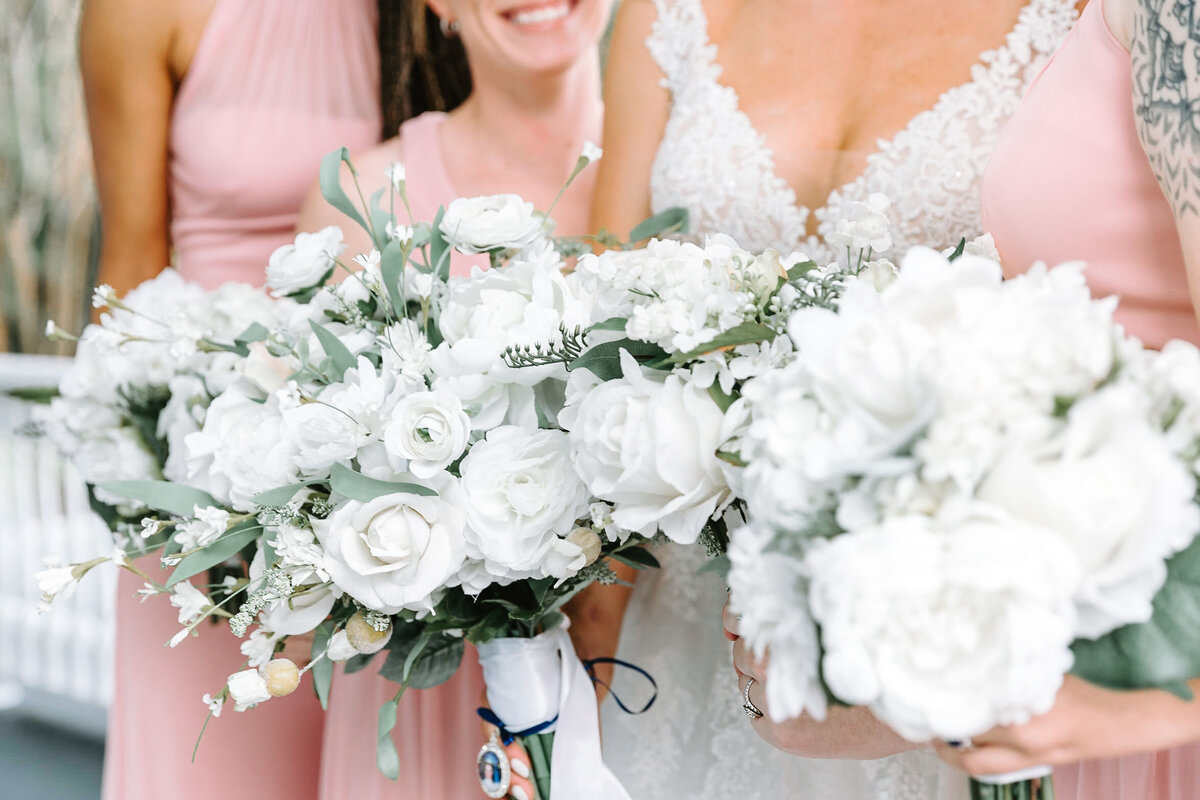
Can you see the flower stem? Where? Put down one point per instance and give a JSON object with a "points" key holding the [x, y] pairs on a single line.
{"points": [[540, 747]]}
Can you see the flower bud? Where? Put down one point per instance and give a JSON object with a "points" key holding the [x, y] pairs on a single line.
{"points": [[248, 689], [587, 541], [282, 677], [363, 637]]}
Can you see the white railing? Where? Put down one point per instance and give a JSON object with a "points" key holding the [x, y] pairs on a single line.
{"points": [[64, 656]]}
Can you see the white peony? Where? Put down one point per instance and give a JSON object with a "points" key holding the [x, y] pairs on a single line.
{"points": [[395, 552], [649, 447], [1110, 487], [306, 262], [321, 435], [521, 497], [429, 430], [493, 222], [946, 628]]}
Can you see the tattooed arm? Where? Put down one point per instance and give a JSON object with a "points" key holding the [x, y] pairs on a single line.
{"points": [[1165, 48]]}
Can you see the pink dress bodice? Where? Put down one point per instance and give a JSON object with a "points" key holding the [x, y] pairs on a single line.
{"points": [[273, 86], [1070, 181]]}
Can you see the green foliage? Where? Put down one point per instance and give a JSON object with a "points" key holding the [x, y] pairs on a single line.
{"points": [[391, 270], [746, 333], [357, 486], [385, 751], [339, 355], [228, 546], [664, 223], [637, 557], [322, 668], [171, 498], [604, 360], [330, 180]]}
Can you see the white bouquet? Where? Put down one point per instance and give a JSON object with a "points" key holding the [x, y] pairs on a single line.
{"points": [[961, 488]]}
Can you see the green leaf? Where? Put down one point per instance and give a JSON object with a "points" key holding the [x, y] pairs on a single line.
{"points": [[284, 494], [439, 248], [357, 486], [331, 185], [719, 565], [637, 557], [228, 546], [958, 251], [404, 638], [610, 324], [798, 271], [358, 663], [33, 394], [341, 356], [391, 270], [438, 663], [415, 654], [173, 498], [379, 217], [604, 360], [746, 333], [385, 749], [322, 668], [723, 401], [672, 220], [254, 333], [1161, 653]]}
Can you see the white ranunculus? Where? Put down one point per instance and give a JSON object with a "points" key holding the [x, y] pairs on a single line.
{"points": [[396, 551], [493, 222], [1110, 487], [945, 628], [521, 496], [241, 450], [429, 430], [304, 263], [248, 689], [649, 448]]}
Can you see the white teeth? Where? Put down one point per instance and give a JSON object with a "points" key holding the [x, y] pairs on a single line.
{"points": [[544, 14]]}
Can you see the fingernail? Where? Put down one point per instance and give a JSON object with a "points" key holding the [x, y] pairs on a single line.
{"points": [[520, 767], [518, 793]]}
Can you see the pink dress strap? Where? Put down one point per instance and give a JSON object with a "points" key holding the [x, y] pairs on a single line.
{"points": [[1069, 181]]}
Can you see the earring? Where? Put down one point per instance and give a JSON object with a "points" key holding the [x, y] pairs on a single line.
{"points": [[449, 27]]}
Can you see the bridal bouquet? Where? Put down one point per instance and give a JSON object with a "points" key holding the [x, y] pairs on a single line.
{"points": [[380, 455], [959, 489]]}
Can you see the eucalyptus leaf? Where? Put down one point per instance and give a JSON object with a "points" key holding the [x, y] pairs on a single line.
{"points": [[255, 332], [228, 546], [391, 270], [604, 360], [438, 663], [173, 498], [637, 557], [404, 638], [330, 180], [671, 220], [439, 248], [322, 668], [358, 663], [1161, 653], [284, 494], [357, 486], [338, 353], [379, 217], [385, 749]]}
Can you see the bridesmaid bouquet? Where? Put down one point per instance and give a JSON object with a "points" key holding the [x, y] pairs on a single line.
{"points": [[959, 489], [381, 453]]}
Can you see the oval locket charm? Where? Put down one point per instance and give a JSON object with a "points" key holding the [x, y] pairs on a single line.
{"points": [[493, 769]]}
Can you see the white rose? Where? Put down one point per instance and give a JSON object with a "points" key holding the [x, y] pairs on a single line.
{"points": [[241, 450], [649, 448], [321, 435], [428, 429], [945, 628], [396, 551], [248, 689], [304, 263], [1109, 485], [493, 222], [522, 495]]}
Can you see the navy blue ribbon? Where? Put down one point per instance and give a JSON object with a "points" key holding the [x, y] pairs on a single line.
{"points": [[590, 665], [508, 736]]}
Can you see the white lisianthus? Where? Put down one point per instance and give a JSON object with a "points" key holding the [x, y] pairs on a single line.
{"points": [[1110, 487], [306, 262], [988, 619], [521, 497], [492, 222], [191, 602], [429, 430], [649, 448], [395, 552], [247, 688]]}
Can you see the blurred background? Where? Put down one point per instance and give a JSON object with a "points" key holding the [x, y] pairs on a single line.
{"points": [[55, 668]]}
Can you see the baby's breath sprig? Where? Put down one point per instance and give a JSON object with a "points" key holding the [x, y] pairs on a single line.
{"points": [[568, 348]]}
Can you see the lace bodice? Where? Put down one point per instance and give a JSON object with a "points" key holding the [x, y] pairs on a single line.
{"points": [[695, 741], [713, 162]]}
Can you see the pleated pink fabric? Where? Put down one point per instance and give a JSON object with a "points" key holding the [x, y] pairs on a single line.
{"points": [[1069, 180], [437, 732], [273, 86]]}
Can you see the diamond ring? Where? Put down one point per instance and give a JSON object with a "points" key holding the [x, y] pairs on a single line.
{"points": [[752, 711]]}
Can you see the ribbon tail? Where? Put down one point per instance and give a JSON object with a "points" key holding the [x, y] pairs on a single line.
{"points": [[577, 770]]}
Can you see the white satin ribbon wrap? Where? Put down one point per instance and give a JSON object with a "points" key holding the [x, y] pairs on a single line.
{"points": [[531, 680], [1015, 777]]}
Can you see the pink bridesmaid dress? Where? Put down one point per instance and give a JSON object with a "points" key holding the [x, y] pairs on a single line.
{"points": [[273, 86], [1069, 180], [437, 733]]}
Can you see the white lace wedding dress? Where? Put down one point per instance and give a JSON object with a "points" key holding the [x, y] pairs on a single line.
{"points": [[696, 741]]}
